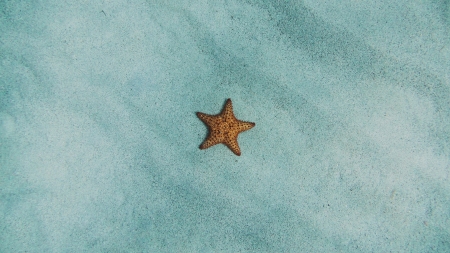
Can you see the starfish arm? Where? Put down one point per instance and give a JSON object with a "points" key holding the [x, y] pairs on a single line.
{"points": [[211, 140], [244, 126], [227, 111], [206, 118], [232, 144]]}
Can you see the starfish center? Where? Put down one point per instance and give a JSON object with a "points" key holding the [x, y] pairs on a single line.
{"points": [[223, 128], [224, 125]]}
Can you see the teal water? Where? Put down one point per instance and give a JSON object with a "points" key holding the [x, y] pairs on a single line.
{"points": [[99, 138]]}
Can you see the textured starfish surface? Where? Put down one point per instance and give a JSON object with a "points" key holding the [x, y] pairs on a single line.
{"points": [[224, 128]]}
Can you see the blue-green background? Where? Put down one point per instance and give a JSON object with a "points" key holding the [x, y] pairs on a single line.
{"points": [[99, 138]]}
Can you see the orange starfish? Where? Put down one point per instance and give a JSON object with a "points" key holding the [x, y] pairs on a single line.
{"points": [[224, 128]]}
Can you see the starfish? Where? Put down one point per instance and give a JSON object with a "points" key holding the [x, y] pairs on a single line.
{"points": [[224, 128]]}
